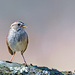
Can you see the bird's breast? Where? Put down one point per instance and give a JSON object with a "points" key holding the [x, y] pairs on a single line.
{"points": [[17, 40]]}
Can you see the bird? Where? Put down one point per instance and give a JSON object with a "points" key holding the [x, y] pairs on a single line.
{"points": [[17, 39]]}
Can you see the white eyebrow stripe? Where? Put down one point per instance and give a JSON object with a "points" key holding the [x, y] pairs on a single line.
{"points": [[14, 23], [17, 23]]}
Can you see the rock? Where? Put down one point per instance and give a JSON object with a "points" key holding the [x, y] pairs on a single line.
{"points": [[12, 68], [67, 73]]}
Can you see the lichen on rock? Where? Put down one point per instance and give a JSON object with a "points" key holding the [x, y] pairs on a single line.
{"points": [[12, 68]]}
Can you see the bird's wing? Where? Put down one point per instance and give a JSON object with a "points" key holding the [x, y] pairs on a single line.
{"points": [[25, 47], [9, 49]]}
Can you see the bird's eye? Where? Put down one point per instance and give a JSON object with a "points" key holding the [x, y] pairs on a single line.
{"points": [[18, 24]]}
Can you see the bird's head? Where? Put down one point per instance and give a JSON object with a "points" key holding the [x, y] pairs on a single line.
{"points": [[18, 24]]}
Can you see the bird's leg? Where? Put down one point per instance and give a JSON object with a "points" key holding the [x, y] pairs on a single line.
{"points": [[12, 56], [24, 60]]}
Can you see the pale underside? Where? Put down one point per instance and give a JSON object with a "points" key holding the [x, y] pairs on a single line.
{"points": [[17, 40]]}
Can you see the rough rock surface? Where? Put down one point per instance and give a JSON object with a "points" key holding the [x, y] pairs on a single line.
{"points": [[12, 68]]}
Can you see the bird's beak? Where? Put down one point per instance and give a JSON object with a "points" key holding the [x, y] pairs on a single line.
{"points": [[24, 26]]}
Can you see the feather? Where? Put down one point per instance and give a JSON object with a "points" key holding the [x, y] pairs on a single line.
{"points": [[25, 47], [9, 49]]}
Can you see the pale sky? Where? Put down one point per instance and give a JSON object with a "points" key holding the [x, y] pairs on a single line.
{"points": [[51, 31]]}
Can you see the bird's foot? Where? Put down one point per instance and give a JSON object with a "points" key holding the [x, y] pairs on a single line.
{"points": [[25, 64]]}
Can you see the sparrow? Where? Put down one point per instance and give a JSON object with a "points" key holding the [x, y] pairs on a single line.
{"points": [[17, 39]]}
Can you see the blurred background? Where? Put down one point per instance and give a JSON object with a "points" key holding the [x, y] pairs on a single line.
{"points": [[51, 31]]}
